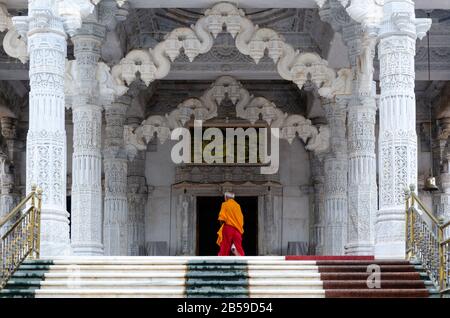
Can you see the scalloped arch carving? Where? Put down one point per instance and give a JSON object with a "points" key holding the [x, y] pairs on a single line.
{"points": [[250, 40], [247, 107]]}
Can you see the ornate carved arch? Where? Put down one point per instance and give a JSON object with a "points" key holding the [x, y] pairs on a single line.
{"points": [[250, 40], [247, 107]]}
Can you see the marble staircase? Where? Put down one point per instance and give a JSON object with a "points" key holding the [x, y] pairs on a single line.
{"points": [[230, 277]]}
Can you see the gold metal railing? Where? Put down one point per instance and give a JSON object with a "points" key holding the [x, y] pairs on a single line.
{"points": [[21, 238], [428, 240]]}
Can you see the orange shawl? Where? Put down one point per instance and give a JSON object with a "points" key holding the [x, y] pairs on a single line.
{"points": [[231, 214]]}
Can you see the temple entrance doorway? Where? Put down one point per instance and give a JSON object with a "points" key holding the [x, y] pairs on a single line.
{"points": [[208, 208]]}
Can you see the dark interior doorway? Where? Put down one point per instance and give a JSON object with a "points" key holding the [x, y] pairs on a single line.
{"points": [[207, 225]]}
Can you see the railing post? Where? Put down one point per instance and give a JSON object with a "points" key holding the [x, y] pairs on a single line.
{"points": [[22, 239], [33, 193], [407, 212], [38, 221], [441, 254], [411, 222], [30, 231], [32, 225]]}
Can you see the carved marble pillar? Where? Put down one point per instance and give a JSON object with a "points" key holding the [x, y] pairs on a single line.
{"points": [[9, 132], [362, 185], [110, 13], [8, 194], [8, 199], [185, 222], [115, 167], [45, 29], [271, 204], [137, 199], [335, 179], [318, 205], [86, 214], [397, 145], [360, 40], [441, 200]]}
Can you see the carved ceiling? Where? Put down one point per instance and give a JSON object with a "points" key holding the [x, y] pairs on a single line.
{"points": [[163, 96], [302, 28], [145, 27]]}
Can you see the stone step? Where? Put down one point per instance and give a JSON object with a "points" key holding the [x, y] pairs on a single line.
{"points": [[363, 276], [17, 293], [182, 274], [37, 262], [29, 274], [364, 268], [111, 293], [362, 284], [23, 283], [361, 262], [233, 277], [116, 275], [161, 267], [170, 293], [150, 284], [375, 293], [176, 261], [136, 283], [26, 266]]}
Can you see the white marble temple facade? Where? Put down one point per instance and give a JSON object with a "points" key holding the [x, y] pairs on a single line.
{"points": [[90, 92]]}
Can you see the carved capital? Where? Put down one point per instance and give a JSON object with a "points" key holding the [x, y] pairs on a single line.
{"points": [[72, 13], [367, 12], [5, 18], [334, 14], [8, 127], [64, 16], [399, 19], [444, 129], [92, 84], [45, 15], [111, 12]]}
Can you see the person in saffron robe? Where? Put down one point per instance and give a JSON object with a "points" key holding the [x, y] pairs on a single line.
{"points": [[230, 233]]}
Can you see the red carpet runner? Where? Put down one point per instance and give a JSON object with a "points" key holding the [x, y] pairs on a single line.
{"points": [[347, 276]]}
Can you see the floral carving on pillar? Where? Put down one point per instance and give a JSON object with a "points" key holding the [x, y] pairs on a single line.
{"points": [[397, 145], [115, 222], [137, 199], [44, 31], [318, 225], [82, 95], [335, 179], [362, 187], [8, 192]]}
